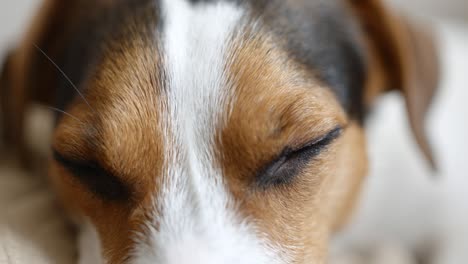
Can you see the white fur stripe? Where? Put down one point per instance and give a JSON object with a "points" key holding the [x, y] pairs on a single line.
{"points": [[196, 220]]}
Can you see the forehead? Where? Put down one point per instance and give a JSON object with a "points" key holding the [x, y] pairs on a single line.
{"points": [[256, 68], [199, 67], [208, 51], [319, 36]]}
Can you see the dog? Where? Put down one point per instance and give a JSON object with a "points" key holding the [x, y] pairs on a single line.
{"points": [[213, 131]]}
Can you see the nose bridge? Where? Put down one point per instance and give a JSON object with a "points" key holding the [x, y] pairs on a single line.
{"points": [[187, 214], [198, 186], [196, 220]]}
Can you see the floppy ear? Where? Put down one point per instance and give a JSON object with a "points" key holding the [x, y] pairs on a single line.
{"points": [[27, 76], [4, 89], [12, 102], [406, 57]]}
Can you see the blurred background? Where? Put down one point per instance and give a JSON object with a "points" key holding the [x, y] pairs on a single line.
{"points": [[406, 209], [14, 14]]}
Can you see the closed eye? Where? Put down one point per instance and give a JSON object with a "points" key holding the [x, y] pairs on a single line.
{"points": [[291, 161], [98, 180]]}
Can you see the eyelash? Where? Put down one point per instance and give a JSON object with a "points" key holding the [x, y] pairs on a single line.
{"points": [[290, 162], [98, 180]]}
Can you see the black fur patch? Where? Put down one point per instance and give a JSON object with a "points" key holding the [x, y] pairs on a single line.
{"points": [[322, 36], [83, 40]]}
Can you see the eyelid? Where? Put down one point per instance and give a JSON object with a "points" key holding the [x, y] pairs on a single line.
{"points": [[97, 179], [280, 171], [325, 139]]}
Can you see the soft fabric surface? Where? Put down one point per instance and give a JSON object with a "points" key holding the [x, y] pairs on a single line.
{"points": [[399, 204], [32, 227]]}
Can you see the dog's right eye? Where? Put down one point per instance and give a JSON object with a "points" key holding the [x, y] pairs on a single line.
{"points": [[97, 179]]}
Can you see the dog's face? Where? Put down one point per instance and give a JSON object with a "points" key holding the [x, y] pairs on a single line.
{"points": [[216, 131]]}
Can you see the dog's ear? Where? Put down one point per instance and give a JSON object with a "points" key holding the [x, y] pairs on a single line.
{"points": [[405, 56], [5, 87], [27, 75], [12, 102]]}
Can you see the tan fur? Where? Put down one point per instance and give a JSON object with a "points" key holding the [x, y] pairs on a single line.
{"points": [[121, 132]]}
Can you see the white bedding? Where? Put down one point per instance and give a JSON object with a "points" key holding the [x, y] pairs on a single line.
{"points": [[403, 201], [32, 227], [32, 231]]}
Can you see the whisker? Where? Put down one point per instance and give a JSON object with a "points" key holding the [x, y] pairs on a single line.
{"points": [[65, 113], [64, 75]]}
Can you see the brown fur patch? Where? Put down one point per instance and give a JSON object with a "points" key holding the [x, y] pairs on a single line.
{"points": [[121, 132], [405, 58], [278, 105]]}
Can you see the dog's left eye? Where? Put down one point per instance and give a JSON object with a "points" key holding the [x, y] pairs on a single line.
{"points": [[97, 179], [290, 162]]}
